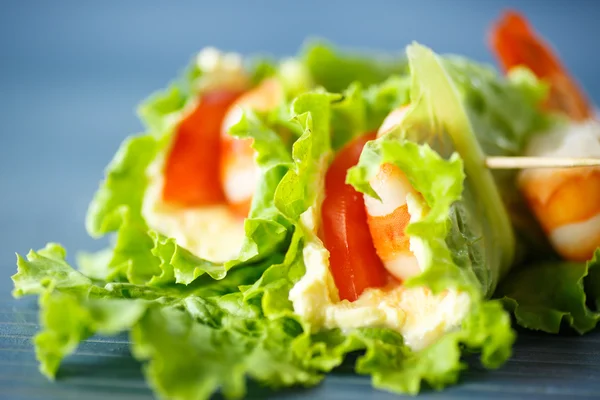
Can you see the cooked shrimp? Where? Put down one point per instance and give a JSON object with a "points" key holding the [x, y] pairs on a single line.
{"points": [[388, 218], [515, 44], [238, 170], [565, 201]]}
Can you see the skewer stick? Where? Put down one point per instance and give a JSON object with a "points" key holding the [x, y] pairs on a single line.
{"points": [[539, 162]]}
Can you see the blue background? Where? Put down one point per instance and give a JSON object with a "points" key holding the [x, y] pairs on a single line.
{"points": [[72, 72]]}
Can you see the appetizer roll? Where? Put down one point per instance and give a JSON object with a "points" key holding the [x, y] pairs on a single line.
{"points": [[402, 235], [190, 183], [566, 202]]}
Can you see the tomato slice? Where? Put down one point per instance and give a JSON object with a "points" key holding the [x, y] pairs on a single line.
{"points": [[353, 260], [192, 167]]}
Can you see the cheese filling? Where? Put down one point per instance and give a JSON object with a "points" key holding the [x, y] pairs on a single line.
{"points": [[213, 233]]}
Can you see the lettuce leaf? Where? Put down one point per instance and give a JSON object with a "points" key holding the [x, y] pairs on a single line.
{"points": [[335, 70], [193, 360], [122, 192], [95, 306], [162, 110], [443, 121], [194, 339], [194, 343], [504, 111], [548, 296], [440, 117], [301, 185], [267, 231], [397, 369], [67, 320], [505, 114], [362, 110]]}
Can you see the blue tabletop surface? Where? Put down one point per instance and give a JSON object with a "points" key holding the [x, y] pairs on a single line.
{"points": [[71, 74]]}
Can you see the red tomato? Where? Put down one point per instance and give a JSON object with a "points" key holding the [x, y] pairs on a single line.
{"points": [[192, 167], [353, 261]]}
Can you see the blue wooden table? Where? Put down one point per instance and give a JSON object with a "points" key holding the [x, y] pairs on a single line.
{"points": [[71, 73]]}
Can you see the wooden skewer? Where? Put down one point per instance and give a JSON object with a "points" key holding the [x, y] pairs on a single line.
{"points": [[539, 162]]}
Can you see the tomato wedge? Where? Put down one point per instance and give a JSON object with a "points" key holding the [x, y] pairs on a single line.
{"points": [[192, 167], [353, 260]]}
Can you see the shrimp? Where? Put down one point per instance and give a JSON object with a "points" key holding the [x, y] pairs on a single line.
{"points": [[237, 170], [515, 44], [566, 202], [388, 218]]}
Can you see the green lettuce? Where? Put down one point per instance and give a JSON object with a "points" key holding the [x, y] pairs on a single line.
{"points": [[362, 109], [311, 152], [336, 70], [122, 192], [504, 111], [441, 118], [175, 329], [505, 114], [542, 293], [397, 369], [548, 296]]}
